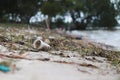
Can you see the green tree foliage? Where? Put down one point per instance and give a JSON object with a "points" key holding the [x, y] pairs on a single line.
{"points": [[5, 8], [100, 13], [27, 8], [51, 8], [84, 13], [105, 14], [23, 9]]}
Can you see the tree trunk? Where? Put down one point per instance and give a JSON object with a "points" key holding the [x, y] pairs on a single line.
{"points": [[72, 16], [48, 23], [25, 19]]}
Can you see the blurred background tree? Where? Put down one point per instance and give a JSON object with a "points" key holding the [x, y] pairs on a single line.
{"points": [[51, 8], [16, 10], [84, 13]]}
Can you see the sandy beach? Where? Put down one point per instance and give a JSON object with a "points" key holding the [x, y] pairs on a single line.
{"points": [[65, 61]]}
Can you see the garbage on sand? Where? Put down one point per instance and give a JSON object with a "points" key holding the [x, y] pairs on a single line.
{"points": [[4, 68], [39, 44]]}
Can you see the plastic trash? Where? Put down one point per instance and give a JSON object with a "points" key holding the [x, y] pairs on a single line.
{"points": [[4, 68], [39, 44]]}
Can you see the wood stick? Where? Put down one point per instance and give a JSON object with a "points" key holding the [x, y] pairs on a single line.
{"points": [[15, 56], [22, 57]]}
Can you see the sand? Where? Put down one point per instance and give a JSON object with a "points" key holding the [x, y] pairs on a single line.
{"points": [[59, 67], [55, 65]]}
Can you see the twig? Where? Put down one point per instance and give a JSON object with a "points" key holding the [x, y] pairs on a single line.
{"points": [[21, 57], [15, 56], [82, 64]]}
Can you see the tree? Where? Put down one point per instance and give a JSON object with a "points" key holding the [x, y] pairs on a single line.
{"points": [[85, 13], [26, 9], [23, 9], [51, 8], [105, 14]]}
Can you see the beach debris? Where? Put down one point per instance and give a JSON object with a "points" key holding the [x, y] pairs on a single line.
{"points": [[44, 59], [88, 65], [3, 38], [6, 63], [14, 56], [7, 66], [84, 71], [39, 44], [51, 37], [20, 41], [4, 68], [47, 41]]}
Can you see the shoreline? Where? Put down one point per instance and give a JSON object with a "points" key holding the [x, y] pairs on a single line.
{"points": [[68, 59]]}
